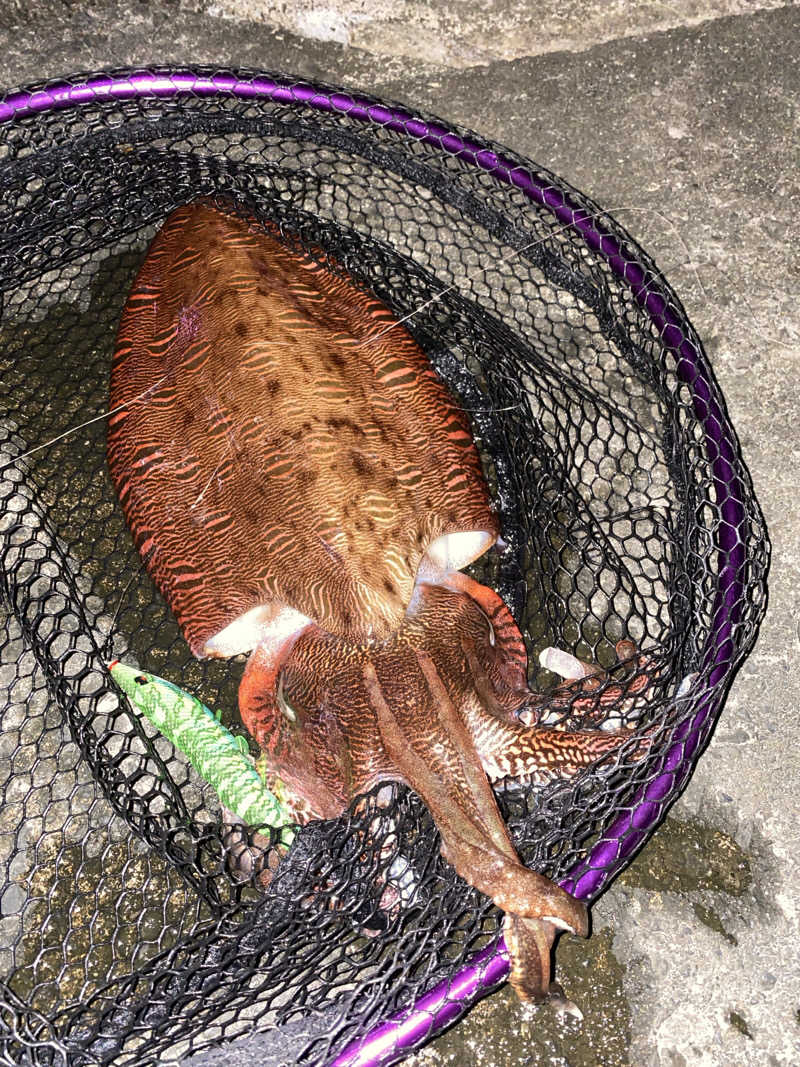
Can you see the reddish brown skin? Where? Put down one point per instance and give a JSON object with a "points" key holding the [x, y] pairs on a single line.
{"points": [[271, 450], [275, 421]]}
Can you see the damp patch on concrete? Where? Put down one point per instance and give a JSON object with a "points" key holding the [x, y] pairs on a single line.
{"points": [[502, 1032], [688, 855], [696, 920], [710, 918], [738, 1022]]}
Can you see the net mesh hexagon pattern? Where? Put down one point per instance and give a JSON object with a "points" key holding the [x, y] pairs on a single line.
{"points": [[626, 512]]}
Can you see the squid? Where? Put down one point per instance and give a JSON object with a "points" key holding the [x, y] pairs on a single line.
{"points": [[304, 489]]}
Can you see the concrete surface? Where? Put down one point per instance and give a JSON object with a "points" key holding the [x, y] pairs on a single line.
{"points": [[682, 119]]}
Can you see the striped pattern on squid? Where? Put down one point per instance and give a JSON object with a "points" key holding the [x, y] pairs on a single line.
{"points": [[316, 413]]}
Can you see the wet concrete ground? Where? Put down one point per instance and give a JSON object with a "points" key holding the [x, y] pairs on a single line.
{"points": [[682, 119]]}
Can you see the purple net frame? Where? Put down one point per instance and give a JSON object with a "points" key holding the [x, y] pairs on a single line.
{"points": [[442, 1005]]}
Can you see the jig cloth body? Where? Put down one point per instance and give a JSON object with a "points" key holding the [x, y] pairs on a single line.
{"points": [[211, 749]]}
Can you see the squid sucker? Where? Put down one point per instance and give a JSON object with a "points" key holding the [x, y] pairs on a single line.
{"points": [[302, 487]]}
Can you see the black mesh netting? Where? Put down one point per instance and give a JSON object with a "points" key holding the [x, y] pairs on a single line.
{"points": [[625, 507]]}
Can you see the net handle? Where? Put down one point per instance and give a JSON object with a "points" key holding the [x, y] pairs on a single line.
{"points": [[442, 1005]]}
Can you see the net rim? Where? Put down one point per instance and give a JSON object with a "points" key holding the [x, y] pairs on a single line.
{"points": [[445, 1002]]}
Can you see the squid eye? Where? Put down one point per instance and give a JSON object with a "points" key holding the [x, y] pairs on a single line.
{"points": [[286, 708], [141, 679]]}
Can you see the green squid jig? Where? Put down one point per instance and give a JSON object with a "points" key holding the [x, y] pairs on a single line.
{"points": [[220, 758]]}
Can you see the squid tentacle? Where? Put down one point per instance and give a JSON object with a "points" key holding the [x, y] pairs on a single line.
{"points": [[475, 839]]}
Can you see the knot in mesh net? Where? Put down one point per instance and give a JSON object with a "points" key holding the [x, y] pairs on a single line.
{"points": [[626, 514]]}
